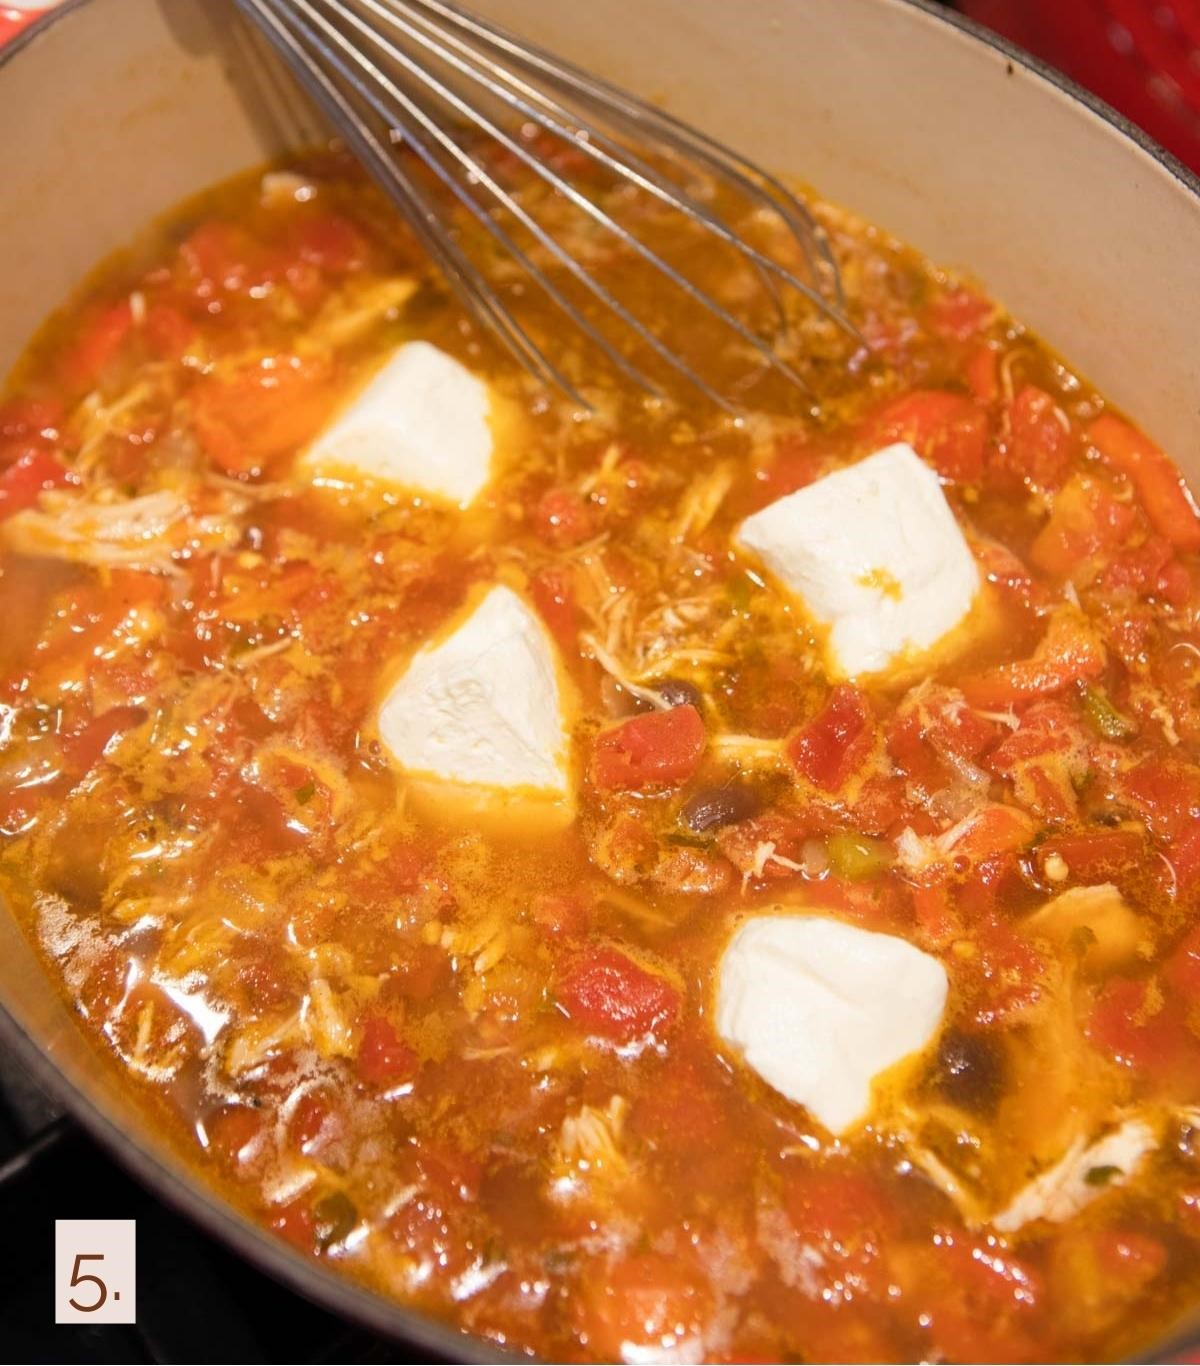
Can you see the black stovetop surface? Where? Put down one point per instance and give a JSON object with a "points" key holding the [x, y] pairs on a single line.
{"points": [[197, 1301]]}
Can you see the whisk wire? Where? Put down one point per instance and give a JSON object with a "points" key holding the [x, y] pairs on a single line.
{"points": [[641, 116], [460, 272], [592, 141], [565, 188], [481, 176], [341, 53]]}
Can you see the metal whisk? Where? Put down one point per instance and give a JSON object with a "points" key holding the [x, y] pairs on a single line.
{"points": [[428, 76]]}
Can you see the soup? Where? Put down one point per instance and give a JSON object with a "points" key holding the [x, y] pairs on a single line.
{"points": [[639, 883]]}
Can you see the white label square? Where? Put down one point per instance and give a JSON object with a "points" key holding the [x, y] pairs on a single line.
{"points": [[95, 1271]]}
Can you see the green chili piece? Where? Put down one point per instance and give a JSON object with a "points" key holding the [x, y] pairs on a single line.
{"points": [[1104, 716], [858, 857]]}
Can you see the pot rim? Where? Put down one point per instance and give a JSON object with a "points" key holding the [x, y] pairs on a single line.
{"points": [[219, 1217]]}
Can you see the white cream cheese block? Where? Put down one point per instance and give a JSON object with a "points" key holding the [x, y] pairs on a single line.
{"points": [[874, 553], [819, 1008], [483, 707], [421, 422]]}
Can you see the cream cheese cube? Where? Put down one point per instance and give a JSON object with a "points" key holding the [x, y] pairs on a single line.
{"points": [[874, 553], [423, 422], [819, 1008], [483, 706]]}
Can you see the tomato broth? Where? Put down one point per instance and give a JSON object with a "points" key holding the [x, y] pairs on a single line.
{"points": [[460, 1045]]}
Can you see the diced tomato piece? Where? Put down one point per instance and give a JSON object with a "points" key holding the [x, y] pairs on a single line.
{"points": [[660, 749], [329, 242], [960, 313], [1070, 652], [795, 463], [29, 476], [1166, 794], [423, 973], [835, 743], [1040, 443], [563, 915], [1184, 859], [168, 331], [843, 1215], [1174, 584], [681, 871], [628, 1306], [563, 518], [1129, 631], [931, 729], [1045, 728], [626, 848], [1181, 971], [266, 981], [1132, 1258], [1164, 494], [39, 419], [1102, 1273], [1095, 856], [1011, 575], [450, 1172], [439, 1226], [220, 256], [871, 808], [935, 916], [948, 430], [910, 748], [989, 830], [681, 1107], [234, 1133], [1136, 570], [1149, 570], [1086, 520], [252, 419], [384, 1059], [784, 830], [1004, 975], [295, 1224], [554, 598], [96, 346], [608, 994], [83, 749], [260, 826], [957, 729], [835, 1204], [981, 1299], [1131, 1023], [1043, 758], [983, 374], [314, 1123]]}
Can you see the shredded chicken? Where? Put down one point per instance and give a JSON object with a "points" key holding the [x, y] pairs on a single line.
{"points": [[589, 1142], [1084, 1172], [702, 501], [350, 315], [135, 533]]}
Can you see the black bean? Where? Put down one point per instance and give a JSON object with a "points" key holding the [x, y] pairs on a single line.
{"points": [[970, 1071], [334, 1218], [718, 806], [678, 692]]}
